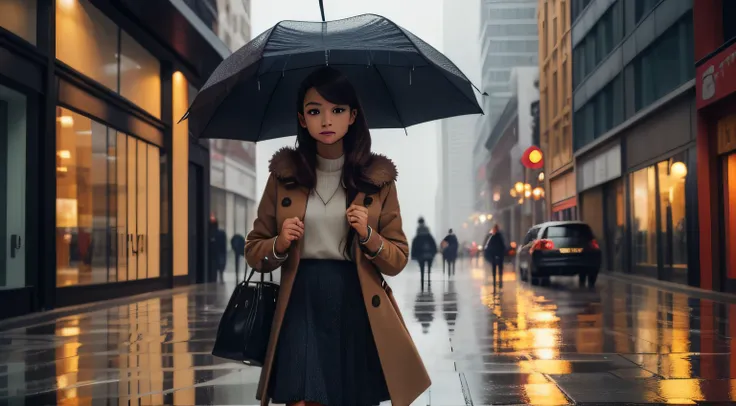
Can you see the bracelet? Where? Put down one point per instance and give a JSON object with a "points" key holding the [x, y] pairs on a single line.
{"points": [[370, 234], [378, 252], [273, 250]]}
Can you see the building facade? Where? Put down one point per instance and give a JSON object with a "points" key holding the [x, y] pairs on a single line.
{"points": [[98, 177], [514, 206], [508, 37], [715, 35], [555, 101], [634, 134], [233, 163]]}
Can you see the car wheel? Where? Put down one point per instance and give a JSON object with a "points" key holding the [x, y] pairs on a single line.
{"points": [[581, 278], [592, 278]]}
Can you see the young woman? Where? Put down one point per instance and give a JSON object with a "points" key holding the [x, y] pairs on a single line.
{"points": [[330, 218]]}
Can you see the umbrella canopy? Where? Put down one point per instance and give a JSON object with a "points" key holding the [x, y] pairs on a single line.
{"points": [[401, 80]]}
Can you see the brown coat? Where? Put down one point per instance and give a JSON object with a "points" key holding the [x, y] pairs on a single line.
{"points": [[283, 198]]}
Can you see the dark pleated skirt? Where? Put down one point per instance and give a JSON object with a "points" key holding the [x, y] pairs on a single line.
{"points": [[326, 353]]}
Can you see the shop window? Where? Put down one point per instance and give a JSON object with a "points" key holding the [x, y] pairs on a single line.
{"points": [[140, 76], [107, 205], [729, 211], [672, 174], [87, 41], [95, 46], [19, 17], [644, 221]]}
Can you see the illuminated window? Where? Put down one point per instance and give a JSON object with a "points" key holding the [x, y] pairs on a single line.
{"points": [[19, 17], [107, 204], [95, 46]]}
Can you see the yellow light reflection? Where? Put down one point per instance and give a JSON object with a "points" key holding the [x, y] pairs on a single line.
{"points": [[544, 394], [674, 391]]}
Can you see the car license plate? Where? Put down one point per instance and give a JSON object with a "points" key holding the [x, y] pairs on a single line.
{"points": [[570, 250]]}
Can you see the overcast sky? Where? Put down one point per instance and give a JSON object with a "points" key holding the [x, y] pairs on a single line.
{"points": [[415, 155]]}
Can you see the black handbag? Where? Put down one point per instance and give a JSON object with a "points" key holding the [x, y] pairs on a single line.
{"points": [[245, 325]]}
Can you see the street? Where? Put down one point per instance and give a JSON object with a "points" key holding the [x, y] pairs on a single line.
{"points": [[622, 343]]}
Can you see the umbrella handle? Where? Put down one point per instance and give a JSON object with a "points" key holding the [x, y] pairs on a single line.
{"points": [[322, 10]]}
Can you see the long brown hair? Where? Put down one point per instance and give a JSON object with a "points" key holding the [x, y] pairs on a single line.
{"points": [[337, 89]]}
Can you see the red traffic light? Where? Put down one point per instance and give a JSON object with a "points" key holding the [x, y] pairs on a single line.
{"points": [[533, 158]]}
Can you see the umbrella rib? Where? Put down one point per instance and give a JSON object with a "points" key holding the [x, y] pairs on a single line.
{"points": [[391, 96], [265, 111]]}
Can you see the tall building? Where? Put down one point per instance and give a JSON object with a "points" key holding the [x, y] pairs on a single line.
{"points": [[508, 33], [515, 210], [100, 192], [716, 142], [233, 163], [634, 134], [555, 107], [457, 135]]}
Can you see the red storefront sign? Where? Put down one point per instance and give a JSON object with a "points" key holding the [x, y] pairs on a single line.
{"points": [[716, 78]]}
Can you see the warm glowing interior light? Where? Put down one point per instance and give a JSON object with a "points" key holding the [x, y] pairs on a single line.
{"points": [[535, 156], [527, 193], [496, 196], [62, 169], [527, 186], [519, 187], [678, 169], [541, 176], [537, 192], [67, 3], [66, 121], [64, 154], [514, 193]]}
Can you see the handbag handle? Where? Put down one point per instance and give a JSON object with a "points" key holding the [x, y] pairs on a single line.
{"points": [[252, 271]]}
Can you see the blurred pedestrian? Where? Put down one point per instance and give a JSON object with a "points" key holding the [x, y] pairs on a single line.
{"points": [[237, 243], [323, 344], [217, 251], [494, 252], [450, 246], [423, 248]]}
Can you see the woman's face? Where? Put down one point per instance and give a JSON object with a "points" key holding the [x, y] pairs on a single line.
{"points": [[326, 122]]}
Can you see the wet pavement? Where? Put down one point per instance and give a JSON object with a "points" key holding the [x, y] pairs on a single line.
{"points": [[483, 345]]}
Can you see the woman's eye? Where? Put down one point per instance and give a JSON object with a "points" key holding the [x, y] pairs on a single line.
{"points": [[338, 110], [313, 112]]}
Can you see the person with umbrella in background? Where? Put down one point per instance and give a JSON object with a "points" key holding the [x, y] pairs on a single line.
{"points": [[338, 337], [423, 249]]}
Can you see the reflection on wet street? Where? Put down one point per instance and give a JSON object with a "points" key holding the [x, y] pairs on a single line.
{"points": [[482, 344]]}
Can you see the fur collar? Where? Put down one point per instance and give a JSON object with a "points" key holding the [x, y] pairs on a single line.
{"points": [[285, 165]]}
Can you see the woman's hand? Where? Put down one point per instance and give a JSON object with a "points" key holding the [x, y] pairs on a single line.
{"points": [[291, 230], [358, 219]]}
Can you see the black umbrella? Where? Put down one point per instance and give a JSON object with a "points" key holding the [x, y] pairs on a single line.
{"points": [[401, 80]]}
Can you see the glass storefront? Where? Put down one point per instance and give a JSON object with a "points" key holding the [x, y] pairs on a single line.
{"points": [[729, 215], [659, 221], [94, 45], [108, 205], [13, 134], [19, 17]]}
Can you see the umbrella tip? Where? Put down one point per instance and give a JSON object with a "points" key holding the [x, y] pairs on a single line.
{"points": [[485, 93], [184, 117]]}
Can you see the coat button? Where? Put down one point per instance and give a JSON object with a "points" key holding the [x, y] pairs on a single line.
{"points": [[367, 201], [286, 202], [376, 301]]}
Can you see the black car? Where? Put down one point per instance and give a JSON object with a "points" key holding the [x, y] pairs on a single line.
{"points": [[560, 248]]}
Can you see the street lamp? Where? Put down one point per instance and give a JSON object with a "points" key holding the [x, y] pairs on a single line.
{"points": [[519, 187], [513, 193], [527, 193], [537, 192], [541, 176]]}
